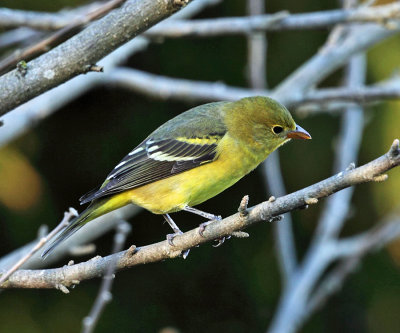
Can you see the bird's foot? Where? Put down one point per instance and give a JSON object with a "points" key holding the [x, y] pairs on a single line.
{"points": [[170, 237], [202, 227], [221, 241]]}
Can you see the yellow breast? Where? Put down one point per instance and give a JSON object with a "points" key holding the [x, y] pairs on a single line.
{"points": [[196, 185]]}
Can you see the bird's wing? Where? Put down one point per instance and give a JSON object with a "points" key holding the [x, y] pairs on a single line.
{"points": [[165, 153]]}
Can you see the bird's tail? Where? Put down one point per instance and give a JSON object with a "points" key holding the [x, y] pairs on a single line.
{"points": [[95, 210]]}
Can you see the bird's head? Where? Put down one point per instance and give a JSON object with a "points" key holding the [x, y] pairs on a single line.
{"points": [[264, 123]]}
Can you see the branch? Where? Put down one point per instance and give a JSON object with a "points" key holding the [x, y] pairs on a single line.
{"points": [[57, 37], [73, 57], [18, 36], [354, 249], [163, 87], [104, 295], [383, 14], [330, 58], [14, 18], [281, 21], [43, 240], [89, 233], [71, 275], [359, 95], [31, 113], [336, 210]]}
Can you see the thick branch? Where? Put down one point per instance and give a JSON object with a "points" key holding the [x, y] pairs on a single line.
{"points": [[57, 37], [86, 48], [29, 114], [70, 275]]}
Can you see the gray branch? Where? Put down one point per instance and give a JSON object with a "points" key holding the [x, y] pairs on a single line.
{"points": [[353, 250], [104, 295], [37, 109], [162, 87], [70, 275], [328, 60], [14, 18], [385, 14], [77, 54]]}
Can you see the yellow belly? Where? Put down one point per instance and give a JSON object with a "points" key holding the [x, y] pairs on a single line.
{"points": [[197, 185]]}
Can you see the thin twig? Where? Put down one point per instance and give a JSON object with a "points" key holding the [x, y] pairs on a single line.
{"points": [[19, 36], [14, 18], [360, 95], [65, 221], [104, 296], [382, 15]]}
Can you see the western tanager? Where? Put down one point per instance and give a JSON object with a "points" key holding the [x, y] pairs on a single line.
{"points": [[190, 159]]}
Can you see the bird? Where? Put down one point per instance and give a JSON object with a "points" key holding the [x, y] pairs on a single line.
{"points": [[190, 159]]}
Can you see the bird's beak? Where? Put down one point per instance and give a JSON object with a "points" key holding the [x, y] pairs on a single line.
{"points": [[299, 133]]}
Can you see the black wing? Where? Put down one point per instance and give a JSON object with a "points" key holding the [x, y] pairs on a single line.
{"points": [[154, 160], [169, 150]]}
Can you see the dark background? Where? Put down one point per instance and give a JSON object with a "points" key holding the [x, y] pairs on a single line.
{"points": [[234, 288]]}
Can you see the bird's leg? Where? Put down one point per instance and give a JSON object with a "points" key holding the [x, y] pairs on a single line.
{"points": [[172, 224], [208, 216], [177, 231]]}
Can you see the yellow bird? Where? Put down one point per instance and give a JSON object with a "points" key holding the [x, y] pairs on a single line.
{"points": [[190, 159]]}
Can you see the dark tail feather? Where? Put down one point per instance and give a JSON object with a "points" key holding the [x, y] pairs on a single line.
{"points": [[87, 215]]}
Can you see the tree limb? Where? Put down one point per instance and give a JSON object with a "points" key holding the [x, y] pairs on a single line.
{"points": [[57, 37], [70, 275], [73, 57]]}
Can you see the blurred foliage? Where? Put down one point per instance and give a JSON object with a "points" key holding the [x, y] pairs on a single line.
{"points": [[234, 288]]}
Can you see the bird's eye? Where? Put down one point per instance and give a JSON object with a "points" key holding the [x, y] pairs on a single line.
{"points": [[277, 129]]}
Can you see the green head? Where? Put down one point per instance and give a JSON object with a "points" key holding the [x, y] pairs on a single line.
{"points": [[262, 122]]}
